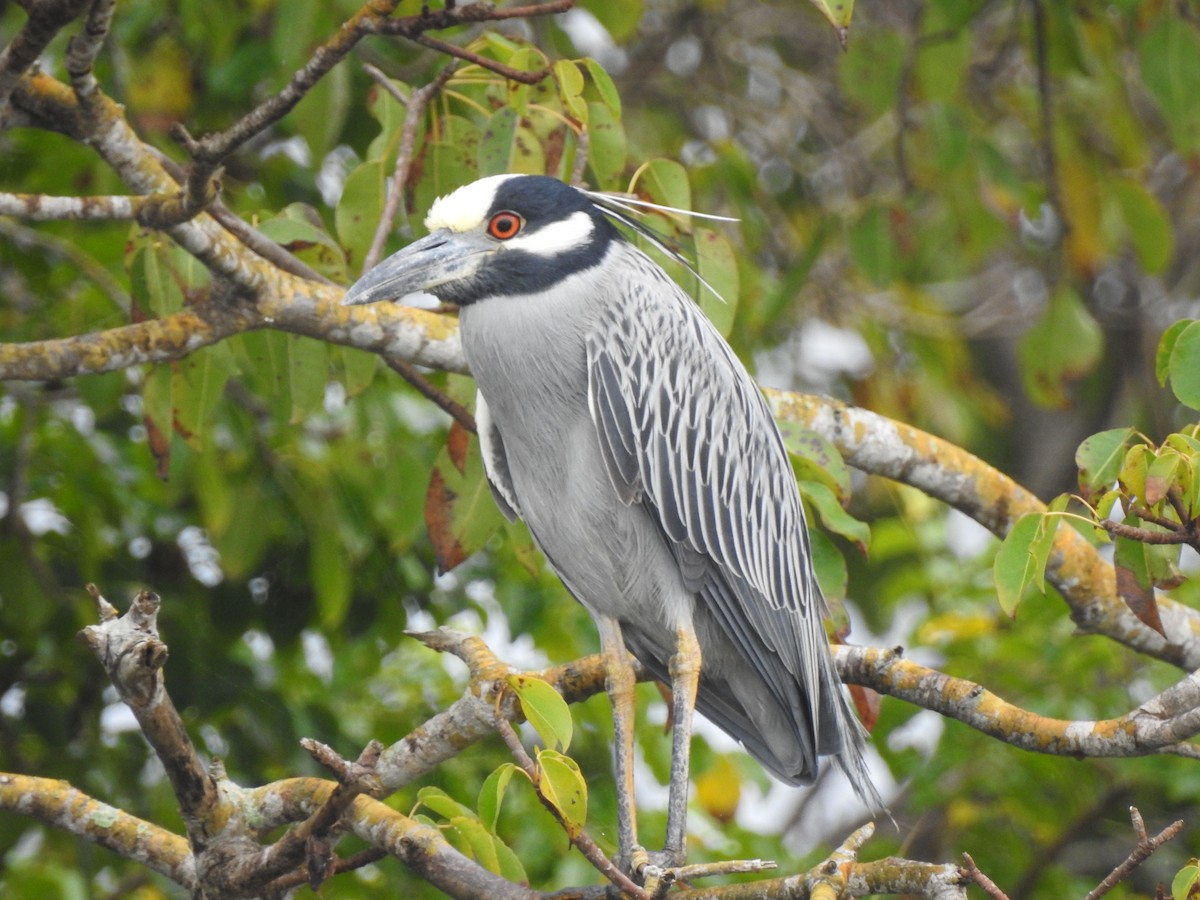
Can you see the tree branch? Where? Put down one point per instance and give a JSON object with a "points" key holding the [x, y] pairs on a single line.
{"points": [[1159, 725], [129, 648], [45, 19], [58, 804], [880, 446], [1146, 846]]}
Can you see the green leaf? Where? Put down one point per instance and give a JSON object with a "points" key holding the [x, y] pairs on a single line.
{"points": [[1132, 476], [602, 87], [491, 795], [570, 81], [829, 566], [815, 459], [329, 569], [1061, 348], [1135, 563], [1169, 50], [322, 115], [1161, 476], [545, 709], [390, 113], [298, 229], [360, 209], [619, 17], [308, 373], [873, 246], [198, 385], [1020, 565], [496, 142], [1162, 358], [358, 369], [1147, 223], [1100, 458], [834, 517], [1185, 880], [437, 800], [717, 264], [460, 514], [563, 786], [157, 398], [666, 183], [838, 12], [606, 145], [152, 279], [1184, 366], [476, 842]]}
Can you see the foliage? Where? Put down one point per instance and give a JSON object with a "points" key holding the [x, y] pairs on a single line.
{"points": [[978, 220]]}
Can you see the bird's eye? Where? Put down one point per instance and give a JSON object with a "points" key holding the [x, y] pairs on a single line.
{"points": [[504, 225]]}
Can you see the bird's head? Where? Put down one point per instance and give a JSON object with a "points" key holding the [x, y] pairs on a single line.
{"points": [[502, 235]]}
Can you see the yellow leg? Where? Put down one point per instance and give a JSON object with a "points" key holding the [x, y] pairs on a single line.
{"points": [[620, 684], [685, 680]]}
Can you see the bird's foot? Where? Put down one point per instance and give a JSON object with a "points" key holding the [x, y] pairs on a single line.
{"points": [[657, 871]]}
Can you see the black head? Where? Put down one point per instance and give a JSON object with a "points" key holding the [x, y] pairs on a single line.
{"points": [[499, 236]]}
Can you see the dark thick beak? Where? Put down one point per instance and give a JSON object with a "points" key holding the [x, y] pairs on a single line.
{"points": [[421, 267]]}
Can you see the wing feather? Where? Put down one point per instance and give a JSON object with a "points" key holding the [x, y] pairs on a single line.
{"points": [[681, 420]]}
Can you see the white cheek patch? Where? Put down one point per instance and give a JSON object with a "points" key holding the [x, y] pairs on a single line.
{"points": [[463, 209], [555, 238]]}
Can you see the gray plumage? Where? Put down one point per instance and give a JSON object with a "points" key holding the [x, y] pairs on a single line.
{"points": [[618, 424]]}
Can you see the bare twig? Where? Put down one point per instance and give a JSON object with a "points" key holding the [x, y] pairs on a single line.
{"points": [[456, 410], [1146, 846], [1046, 112], [85, 47], [309, 841], [56, 247], [45, 21], [580, 838], [986, 884], [129, 648], [1145, 535], [415, 105], [518, 75]]}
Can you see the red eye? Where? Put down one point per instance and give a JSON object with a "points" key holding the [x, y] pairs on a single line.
{"points": [[504, 225]]}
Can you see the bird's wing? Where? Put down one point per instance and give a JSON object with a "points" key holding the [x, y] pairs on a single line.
{"points": [[495, 461], [684, 429]]}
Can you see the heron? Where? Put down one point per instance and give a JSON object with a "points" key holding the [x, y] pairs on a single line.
{"points": [[617, 423]]}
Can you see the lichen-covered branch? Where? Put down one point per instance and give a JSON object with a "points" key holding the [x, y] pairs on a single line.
{"points": [[880, 446], [58, 804], [1160, 725], [46, 18]]}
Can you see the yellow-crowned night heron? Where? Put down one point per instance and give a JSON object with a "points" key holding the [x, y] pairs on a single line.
{"points": [[616, 422]]}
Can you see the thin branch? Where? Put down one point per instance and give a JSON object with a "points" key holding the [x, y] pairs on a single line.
{"points": [[85, 48], [1145, 535], [25, 238], [309, 841], [452, 14], [251, 237], [580, 838], [45, 20], [420, 847], [518, 75], [1046, 113], [151, 210], [456, 410], [415, 109], [1146, 846], [970, 870], [129, 648]]}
